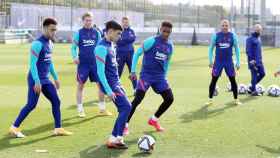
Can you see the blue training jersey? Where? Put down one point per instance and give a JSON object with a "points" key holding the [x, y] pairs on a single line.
{"points": [[41, 61], [254, 49], [224, 43], [86, 40], [107, 66], [157, 54], [125, 43]]}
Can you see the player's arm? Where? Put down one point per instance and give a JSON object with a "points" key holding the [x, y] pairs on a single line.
{"points": [[53, 72], [36, 48], [98, 37], [147, 44], [250, 51], [211, 49], [167, 65], [132, 38], [54, 75], [100, 55], [237, 50], [75, 44]]}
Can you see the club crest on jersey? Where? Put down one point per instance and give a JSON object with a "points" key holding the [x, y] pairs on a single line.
{"points": [[87, 43], [160, 56]]}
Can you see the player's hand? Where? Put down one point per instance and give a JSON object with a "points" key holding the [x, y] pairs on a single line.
{"points": [[113, 97], [252, 62], [57, 84], [133, 76], [76, 61], [37, 88], [210, 65]]}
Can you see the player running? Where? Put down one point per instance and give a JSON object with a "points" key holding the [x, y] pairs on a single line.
{"points": [[255, 63], [125, 49], [224, 41], [157, 53], [107, 70], [86, 40], [38, 80]]}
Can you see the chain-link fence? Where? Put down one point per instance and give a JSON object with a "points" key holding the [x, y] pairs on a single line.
{"points": [[146, 15]]}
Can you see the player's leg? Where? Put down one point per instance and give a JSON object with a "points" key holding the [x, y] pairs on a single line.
{"points": [[142, 87], [124, 107], [51, 94], [162, 88], [216, 73], [261, 73], [121, 63], [254, 80], [82, 76], [102, 106], [230, 71], [129, 64], [32, 100]]}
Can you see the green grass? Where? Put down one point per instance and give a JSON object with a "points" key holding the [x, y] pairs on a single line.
{"points": [[192, 130]]}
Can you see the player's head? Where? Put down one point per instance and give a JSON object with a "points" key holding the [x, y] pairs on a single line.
{"points": [[258, 29], [166, 29], [49, 28], [225, 26], [87, 19], [125, 22], [113, 31]]}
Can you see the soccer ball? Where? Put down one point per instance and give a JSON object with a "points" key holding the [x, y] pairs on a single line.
{"points": [[146, 143], [273, 91], [216, 92], [242, 89]]}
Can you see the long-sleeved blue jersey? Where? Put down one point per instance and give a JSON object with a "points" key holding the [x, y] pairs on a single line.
{"points": [[86, 40], [107, 66], [254, 49], [224, 42], [157, 54], [125, 43], [41, 61]]}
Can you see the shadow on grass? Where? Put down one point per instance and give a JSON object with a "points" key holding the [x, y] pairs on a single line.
{"points": [[5, 142], [103, 152], [269, 149], [204, 113], [93, 103]]}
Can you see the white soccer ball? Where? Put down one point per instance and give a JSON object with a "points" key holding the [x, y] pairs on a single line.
{"points": [[242, 89], [216, 92], [146, 143], [273, 91]]}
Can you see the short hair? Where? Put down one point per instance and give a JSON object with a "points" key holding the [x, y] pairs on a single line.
{"points": [[166, 24], [87, 14], [49, 21], [125, 18], [113, 25]]}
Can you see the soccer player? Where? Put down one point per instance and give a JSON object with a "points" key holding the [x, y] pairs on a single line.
{"points": [[254, 53], [107, 70], [157, 53], [86, 40], [125, 49], [38, 80], [224, 41]]}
